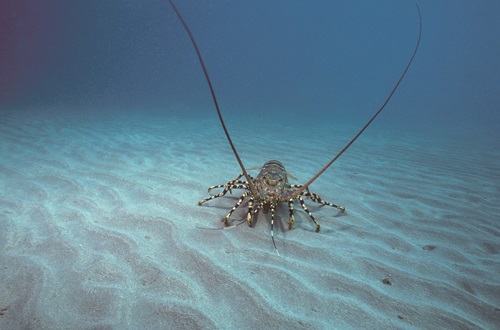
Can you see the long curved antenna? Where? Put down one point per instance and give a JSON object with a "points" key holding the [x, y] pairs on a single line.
{"points": [[296, 192], [249, 179]]}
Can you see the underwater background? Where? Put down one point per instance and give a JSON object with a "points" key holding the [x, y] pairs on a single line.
{"points": [[109, 138], [289, 57]]}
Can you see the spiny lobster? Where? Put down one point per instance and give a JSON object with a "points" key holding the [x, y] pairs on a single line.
{"points": [[271, 187]]}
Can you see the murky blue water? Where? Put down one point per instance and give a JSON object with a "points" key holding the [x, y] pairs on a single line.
{"points": [[289, 58]]}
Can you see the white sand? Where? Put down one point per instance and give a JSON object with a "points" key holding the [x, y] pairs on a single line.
{"points": [[99, 228]]}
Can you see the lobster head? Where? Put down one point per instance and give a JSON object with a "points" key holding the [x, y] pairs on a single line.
{"points": [[271, 184]]}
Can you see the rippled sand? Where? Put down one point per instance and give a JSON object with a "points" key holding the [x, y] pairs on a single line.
{"points": [[100, 228]]}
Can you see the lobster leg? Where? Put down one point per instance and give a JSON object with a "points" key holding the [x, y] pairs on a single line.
{"points": [[233, 183], [297, 186], [290, 210], [238, 203], [301, 200], [250, 211], [315, 198], [236, 184], [226, 189]]}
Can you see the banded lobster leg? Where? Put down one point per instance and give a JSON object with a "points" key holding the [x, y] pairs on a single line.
{"points": [[238, 203], [233, 184], [315, 198]]}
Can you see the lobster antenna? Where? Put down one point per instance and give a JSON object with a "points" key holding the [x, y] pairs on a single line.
{"points": [[296, 192], [249, 179]]}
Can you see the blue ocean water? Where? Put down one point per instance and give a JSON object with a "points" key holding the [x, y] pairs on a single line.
{"points": [[332, 59]]}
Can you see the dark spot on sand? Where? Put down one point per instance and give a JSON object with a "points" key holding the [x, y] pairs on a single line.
{"points": [[467, 287], [387, 281], [3, 311], [490, 248], [429, 247]]}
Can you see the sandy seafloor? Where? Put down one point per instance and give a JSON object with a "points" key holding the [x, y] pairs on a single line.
{"points": [[100, 227]]}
